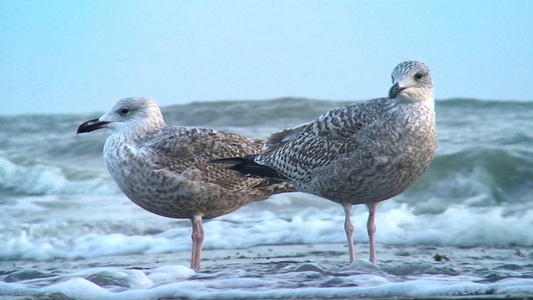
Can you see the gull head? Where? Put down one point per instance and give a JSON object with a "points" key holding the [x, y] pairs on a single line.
{"points": [[136, 115], [411, 82]]}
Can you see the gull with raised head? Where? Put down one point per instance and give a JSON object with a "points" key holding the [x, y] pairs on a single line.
{"points": [[361, 153]]}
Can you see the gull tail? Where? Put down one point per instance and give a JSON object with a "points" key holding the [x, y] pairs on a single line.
{"points": [[247, 167]]}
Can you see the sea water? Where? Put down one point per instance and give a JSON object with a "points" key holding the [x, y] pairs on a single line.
{"points": [[465, 228]]}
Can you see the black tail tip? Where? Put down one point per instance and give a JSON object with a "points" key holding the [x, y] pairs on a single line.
{"points": [[229, 161]]}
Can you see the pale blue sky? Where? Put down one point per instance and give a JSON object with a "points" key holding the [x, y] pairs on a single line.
{"points": [[83, 55]]}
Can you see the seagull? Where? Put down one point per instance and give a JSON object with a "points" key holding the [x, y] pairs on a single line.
{"points": [[361, 153], [166, 170]]}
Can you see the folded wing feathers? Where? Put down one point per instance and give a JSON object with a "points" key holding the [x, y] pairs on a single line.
{"points": [[278, 139]]}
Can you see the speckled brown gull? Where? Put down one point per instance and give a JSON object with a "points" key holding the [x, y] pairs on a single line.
{"points": [[362, 153], [165, 170]]}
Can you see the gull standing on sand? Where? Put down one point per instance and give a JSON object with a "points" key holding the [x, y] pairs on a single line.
{"points": [[357, 154], [165, 170]]}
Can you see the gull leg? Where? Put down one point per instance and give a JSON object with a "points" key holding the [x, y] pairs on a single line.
{"points": [[348, 227], [197, 241], [371, 229]]}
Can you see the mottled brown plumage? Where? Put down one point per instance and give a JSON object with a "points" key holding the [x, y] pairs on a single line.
{"points": [[361, 153], [165, 170]]}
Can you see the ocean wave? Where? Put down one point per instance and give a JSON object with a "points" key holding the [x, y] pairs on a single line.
{"points": [[483, 102], [27, 176], [458, 121], [484, 146], [490, 175], [283, 112], [292, 111], [397, 223], [476, 176]]}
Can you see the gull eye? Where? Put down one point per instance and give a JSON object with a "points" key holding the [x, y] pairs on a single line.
{"points": [[418, 76], [124, 110]]}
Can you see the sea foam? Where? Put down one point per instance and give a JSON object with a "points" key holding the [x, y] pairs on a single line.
{"points": [[265, 288], [397, 224]]}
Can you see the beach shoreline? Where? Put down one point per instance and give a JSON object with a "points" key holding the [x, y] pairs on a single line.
{"points": [[288, 271]]}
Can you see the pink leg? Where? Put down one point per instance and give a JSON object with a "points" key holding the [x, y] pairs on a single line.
{"points": [[197, 241], [348, 227], [371, 228]]}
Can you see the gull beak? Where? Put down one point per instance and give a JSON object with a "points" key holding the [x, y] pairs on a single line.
{"points": [[91, 125], [395, 90]]}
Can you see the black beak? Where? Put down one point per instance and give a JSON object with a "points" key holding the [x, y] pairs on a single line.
{"points": [[91, 125], [395, 90]]}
